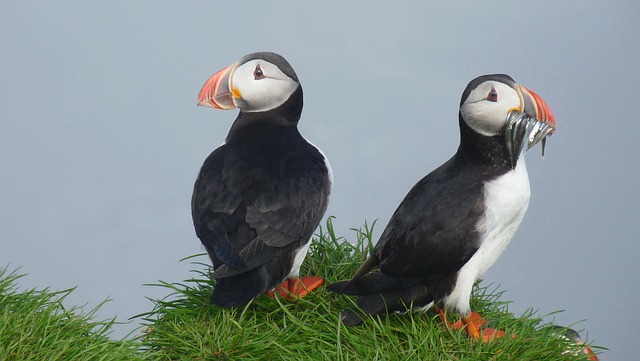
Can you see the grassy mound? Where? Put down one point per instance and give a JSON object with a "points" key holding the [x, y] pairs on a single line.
{"points": [[184, 326]]}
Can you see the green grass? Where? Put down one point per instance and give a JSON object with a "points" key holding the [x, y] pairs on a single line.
{"points": [[184, 326], [34, 324]]}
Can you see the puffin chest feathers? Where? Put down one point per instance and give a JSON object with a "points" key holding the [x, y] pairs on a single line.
{"points": [[506, 199]]}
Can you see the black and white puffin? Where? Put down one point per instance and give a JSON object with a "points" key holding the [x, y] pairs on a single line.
{"points": [[455, 222], [260, 195]]}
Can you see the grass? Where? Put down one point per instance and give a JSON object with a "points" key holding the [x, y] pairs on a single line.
{"points": [[184, 326], [34, 325]]}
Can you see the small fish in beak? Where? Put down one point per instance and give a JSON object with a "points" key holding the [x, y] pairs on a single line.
{"points": [[521, 126], [533, 122]]}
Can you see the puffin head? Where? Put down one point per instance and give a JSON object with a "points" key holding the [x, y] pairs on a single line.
{"points": [[495, 105], [256, 83], [488, 99]]}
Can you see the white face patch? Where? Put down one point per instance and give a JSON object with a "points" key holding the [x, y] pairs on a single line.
{"points": [[261, 86], [483, 114]]}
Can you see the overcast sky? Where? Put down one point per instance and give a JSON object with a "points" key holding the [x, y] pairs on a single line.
{"points": [[101, 140]]}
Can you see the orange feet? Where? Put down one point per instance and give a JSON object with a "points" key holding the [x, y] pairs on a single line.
{"points": [[294, 288], [472, 326]]}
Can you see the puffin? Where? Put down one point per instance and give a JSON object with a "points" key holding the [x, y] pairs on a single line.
{"points": [[455, 222], [259, 197]]}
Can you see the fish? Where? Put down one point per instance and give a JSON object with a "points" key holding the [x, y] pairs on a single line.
{"points": [[521, 126]]}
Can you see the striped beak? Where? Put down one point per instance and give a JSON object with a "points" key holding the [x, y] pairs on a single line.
{"points": [[532, 104], [529, 124], [217, 91]]}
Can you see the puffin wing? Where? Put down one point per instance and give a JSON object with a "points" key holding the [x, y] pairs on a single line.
{"points": [[285, 216], [290, 212], [276, 215], [216, 211], [433, 232]]}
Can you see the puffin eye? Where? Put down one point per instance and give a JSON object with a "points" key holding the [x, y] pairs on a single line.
{"points": [[493, 95], [258, 73]]}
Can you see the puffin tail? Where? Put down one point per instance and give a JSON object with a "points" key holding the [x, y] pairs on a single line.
{"points": [[238, 290], [380, 294], [227, 293]]}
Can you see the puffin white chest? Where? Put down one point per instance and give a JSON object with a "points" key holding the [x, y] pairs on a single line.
{"points": [[506, 201]]}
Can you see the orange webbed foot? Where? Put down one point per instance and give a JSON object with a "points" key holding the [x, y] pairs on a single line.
{"points": [[294, 288], [473, 326]]}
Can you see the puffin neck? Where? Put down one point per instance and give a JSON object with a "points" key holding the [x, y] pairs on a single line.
{"points": [[488, 151], [286, 115]]}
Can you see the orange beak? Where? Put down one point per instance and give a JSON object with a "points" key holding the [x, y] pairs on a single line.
{"points": [[217, 90], [532, 104]]}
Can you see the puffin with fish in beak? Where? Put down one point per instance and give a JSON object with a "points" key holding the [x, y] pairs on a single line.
{"points": [[454, 223]]}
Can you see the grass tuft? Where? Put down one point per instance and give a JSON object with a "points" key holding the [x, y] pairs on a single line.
{"points": [[34, 325]]}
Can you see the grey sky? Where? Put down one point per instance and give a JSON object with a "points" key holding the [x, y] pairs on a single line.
{"points": [[101, 140]]}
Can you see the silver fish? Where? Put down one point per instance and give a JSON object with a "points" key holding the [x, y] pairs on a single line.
{"points": [[521, 126]]}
